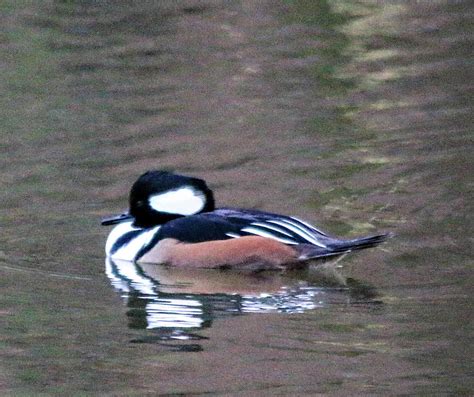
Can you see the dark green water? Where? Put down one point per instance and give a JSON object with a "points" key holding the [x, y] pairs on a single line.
{"points": [[353, 115]]}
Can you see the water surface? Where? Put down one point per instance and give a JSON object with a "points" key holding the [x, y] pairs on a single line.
{"points": [[354, 116]]}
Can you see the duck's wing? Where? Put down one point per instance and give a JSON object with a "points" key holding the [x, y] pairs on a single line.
{"points": [[309, 241], [225, 223]]}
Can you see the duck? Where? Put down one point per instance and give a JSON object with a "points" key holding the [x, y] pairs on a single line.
{"points": [[172, 220]]}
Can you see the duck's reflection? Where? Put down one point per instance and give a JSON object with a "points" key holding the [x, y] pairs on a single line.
{"points": [[177, 302]]}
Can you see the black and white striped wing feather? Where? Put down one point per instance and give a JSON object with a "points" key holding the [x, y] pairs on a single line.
{"points": [[285, 229], [312, 242], [225, 223]]}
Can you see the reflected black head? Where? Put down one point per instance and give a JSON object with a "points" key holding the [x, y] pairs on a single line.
{"points": [[155, 182]]}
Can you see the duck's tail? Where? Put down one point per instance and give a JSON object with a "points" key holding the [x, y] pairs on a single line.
{"points": [[338, 247]]}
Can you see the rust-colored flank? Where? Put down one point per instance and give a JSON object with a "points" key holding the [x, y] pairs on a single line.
{"points": [[249, 252]]}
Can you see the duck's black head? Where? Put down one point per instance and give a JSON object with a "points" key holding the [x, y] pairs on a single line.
{"points": [[160, 196]]}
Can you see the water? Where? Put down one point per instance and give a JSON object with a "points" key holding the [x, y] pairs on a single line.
{"points": [[352, 115]]}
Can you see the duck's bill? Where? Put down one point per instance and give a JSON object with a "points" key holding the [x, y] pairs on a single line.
{"points": [[112, 220]]}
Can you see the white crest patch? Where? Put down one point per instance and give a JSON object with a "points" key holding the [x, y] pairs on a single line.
{"points": [[182, 201]]}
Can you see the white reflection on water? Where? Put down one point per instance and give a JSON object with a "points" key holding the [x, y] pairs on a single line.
{"points": [[170, 300], [288, 301], [174, 313]]}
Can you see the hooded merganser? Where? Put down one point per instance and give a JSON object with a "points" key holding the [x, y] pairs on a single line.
{"points": [[172, 220]]}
